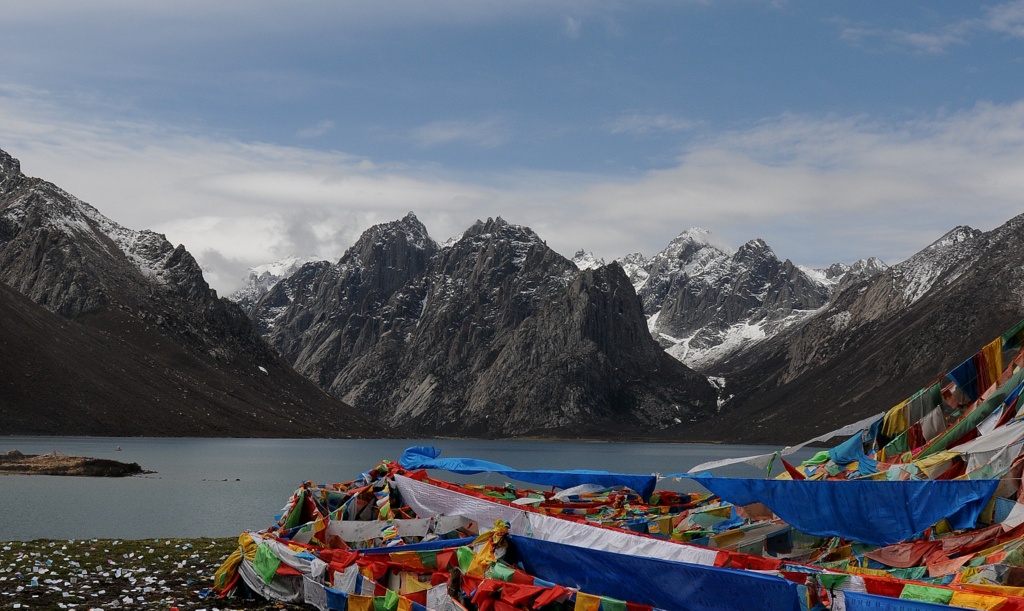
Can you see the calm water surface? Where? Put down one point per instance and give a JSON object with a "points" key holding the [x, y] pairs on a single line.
{"points": [[219, 487]]}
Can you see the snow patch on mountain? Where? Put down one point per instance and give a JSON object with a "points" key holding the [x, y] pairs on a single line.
{"points": [[820, 276], [586, 260], [943, 261], [704, 348], [635, 267], [146, 250], [262, 278]]}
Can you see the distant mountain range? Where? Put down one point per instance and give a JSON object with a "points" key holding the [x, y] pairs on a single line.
{"points": [[492, 335], [106, 330], [789, 349], [704, 302]]}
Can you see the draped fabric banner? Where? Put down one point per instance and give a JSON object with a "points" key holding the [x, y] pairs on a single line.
{"points": [[876, 512], [673, 586], [870, 511], [762, 460], [427, 499], [426, 457], [858, 601]]}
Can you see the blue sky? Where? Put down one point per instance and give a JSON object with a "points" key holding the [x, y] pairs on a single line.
{"points": [[250, 131]]}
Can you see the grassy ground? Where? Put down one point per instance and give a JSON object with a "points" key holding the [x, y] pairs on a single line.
{"points": [[116, 574]]}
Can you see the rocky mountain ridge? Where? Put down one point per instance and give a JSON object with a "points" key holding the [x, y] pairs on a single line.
{"points": [[494, 334], [751, 322], [262, 278], [880, 340], [705, 302], [199, 367]]}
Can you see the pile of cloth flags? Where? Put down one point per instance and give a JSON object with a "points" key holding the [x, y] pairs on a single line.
{"points": [[920, 507]]}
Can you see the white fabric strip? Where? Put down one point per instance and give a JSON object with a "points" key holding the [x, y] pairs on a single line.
{"points": [[313, 593], [288, 590], [994, 440], [427, 499], [932, 424], [849, 429], [759, 460]]}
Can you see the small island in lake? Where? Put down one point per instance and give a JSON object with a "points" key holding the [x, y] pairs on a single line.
{"points": [[14, 462]]}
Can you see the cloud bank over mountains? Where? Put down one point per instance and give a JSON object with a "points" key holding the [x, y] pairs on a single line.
{"points": [[248, 132], [822, 189]]}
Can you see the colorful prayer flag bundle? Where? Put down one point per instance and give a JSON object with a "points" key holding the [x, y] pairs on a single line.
{"points": [[920, 507]]}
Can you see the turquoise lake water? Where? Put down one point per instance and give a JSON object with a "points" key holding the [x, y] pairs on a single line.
{"points": [[220, 487]]}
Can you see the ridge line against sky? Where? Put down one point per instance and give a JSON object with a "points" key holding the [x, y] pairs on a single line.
{"points": [[251, 131]]}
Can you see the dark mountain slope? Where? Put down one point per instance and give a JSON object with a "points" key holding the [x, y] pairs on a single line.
{"points": [[195, 363]]}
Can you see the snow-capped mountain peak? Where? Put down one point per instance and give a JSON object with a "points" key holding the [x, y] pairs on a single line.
{"points": [[942, 261], [586, 260], [262, 278]]}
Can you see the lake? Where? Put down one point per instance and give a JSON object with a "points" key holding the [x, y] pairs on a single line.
{"points": [[220, 487]]}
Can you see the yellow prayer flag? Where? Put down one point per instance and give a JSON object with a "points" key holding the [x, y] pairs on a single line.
{"points": [[411, 585], [996, 589], [895, 420], [587, 602], [971, 600], [357, 602], [857, 570]]}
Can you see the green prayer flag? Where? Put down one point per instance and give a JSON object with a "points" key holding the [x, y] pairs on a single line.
{"points": [[502, 572], [266, 562], [388, 602], [926, 594], [1014, 558], [898, 445], [1012, 338], [465, 556], [817, 459], [296, 514], [611, 604], [831, 580], [428, 559]]}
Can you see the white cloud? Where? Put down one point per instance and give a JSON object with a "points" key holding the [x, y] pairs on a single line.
{"points": [[925, 42], [642, 124], [315, 131], [1006, 18], [485, 134], [572, 28], [818, 189], [802, 182]]}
